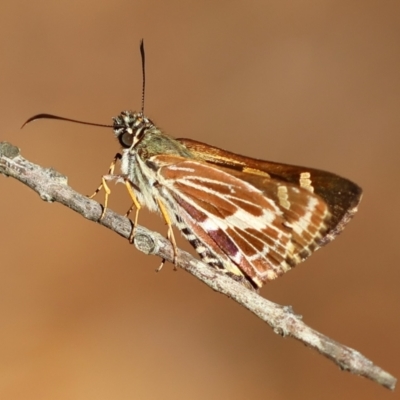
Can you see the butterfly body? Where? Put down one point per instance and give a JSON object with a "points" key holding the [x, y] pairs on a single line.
{"points": [[250, 218]]}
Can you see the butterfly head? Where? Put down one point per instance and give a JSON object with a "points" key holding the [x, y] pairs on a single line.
{"points": [[130, 127]]}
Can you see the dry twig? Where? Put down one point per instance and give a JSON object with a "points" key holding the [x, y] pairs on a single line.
{"points": [[52, 186]]}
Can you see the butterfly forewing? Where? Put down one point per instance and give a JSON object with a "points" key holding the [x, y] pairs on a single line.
{"points": [[340, 194], [261, 225]]}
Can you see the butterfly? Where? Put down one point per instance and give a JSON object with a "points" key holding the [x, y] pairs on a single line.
{"points": [[250, 218]]}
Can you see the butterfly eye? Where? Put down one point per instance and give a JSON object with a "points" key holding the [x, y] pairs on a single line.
{"points": [[126, 139]]}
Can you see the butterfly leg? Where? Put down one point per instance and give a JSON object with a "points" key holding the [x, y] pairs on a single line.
{"points": [[104, 185], [170, 234], [135, 204]]}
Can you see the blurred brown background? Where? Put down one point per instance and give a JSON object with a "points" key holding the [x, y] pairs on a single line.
{"points": [[83, 315]]}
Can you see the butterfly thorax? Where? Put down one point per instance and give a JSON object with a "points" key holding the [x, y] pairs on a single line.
{"points": [[141, 140], [138, 134]]}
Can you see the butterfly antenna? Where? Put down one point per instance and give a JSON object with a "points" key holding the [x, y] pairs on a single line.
{"points": [[51, 116], [143, 72]]}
